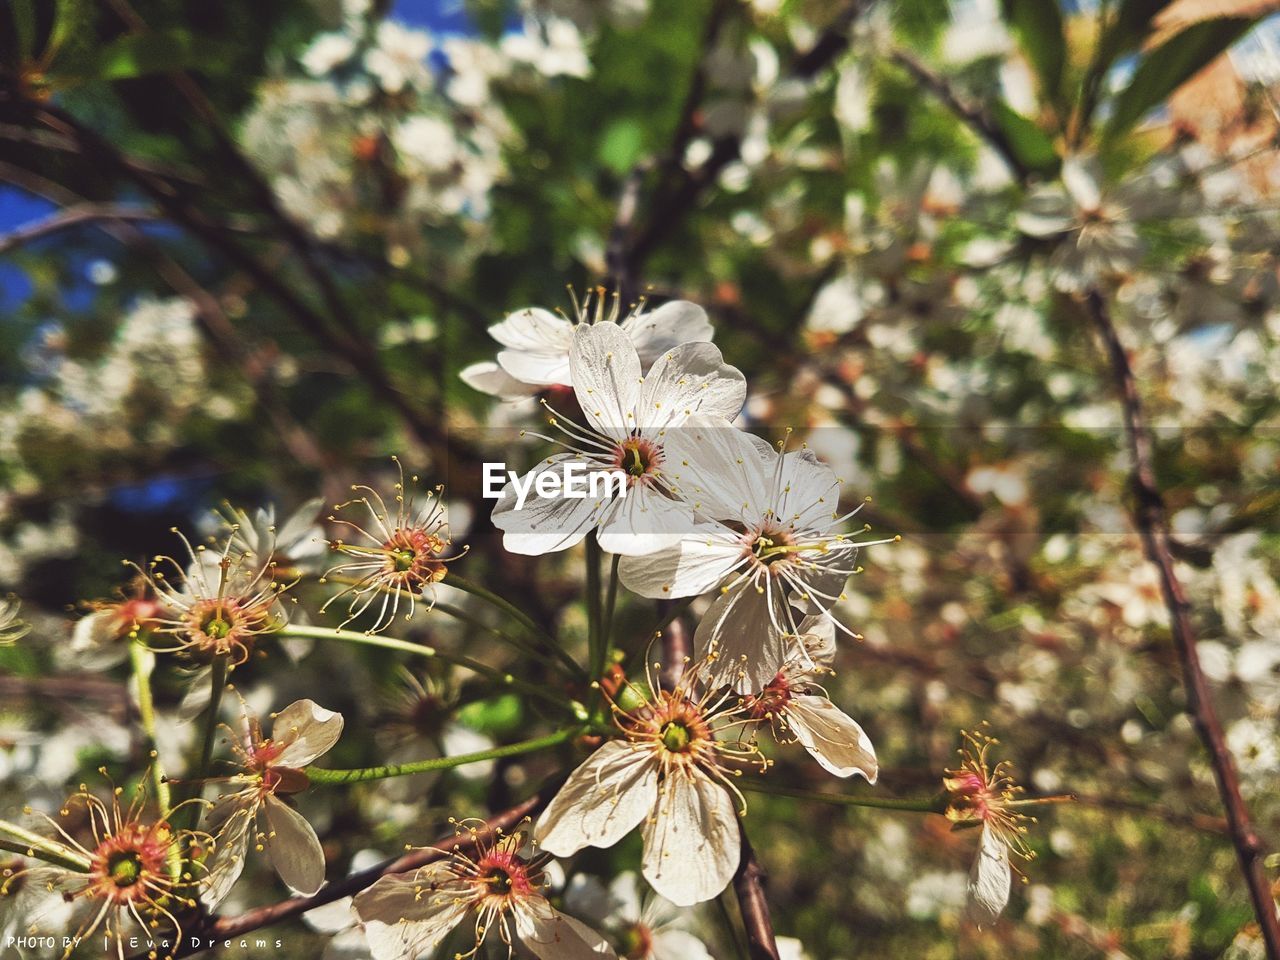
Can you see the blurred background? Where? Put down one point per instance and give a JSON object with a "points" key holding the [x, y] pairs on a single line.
{"points": [[246, 248]]}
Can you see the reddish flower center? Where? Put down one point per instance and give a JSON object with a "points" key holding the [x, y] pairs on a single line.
{"points": [[412, 557]]}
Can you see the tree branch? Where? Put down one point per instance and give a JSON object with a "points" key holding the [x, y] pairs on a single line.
{"points": [[748, 884], [1151, 519], [977, 117], [70, 217]]}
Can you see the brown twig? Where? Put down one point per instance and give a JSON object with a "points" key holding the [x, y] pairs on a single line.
{"points": [[975, 115], [1151, 519], [71, 217], [748, 884]]}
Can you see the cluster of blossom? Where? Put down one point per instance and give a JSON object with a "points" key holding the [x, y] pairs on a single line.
{"points": [[394, 133], [707, 509]]}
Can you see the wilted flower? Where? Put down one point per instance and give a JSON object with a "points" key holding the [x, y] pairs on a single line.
{"points": [[989, 797], [272, 769], [536, 342], [102, 638], [672, 772], [799, 709], [129, 874], [12, 627], [402, 557], [222, 602], [407, 915], [631, 418], [772, 540]]}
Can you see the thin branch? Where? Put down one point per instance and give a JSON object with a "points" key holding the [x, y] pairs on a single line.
{"points": [[748, 884], [1151, 519], [71, 217], [975, 115]]}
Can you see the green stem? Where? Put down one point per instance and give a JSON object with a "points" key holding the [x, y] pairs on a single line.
{"points": [[30, 844], [422, 650], [143, 662], [319, 775], [506, 606], [218, 683], [595, 642], [606, 632], [529, 650], [934, 804]]}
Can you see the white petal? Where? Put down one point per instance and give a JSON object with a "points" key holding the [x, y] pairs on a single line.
{"points": [[749, 651], [533, 328], [308, 729], [546, 524], [401, 921], [293, 847], [668, 326], [724, 472], [697, 563], [602, 801], [810, 492], [230, 821], [989, 880], [1048, 212], [536, 369], [488, 377], [692, 845], [688, 379], [678, 945], [605, 369], [552, 935], [832, 738], [818, 634], [1080, 177], [645, 521]]}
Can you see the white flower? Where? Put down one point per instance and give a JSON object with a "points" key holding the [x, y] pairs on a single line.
{"points": [[399, 59], [427, 141], [795, 703], [989, 797], [270, 770], [771, 539], [648, 928], [401, 556], [327, 51], [1096, 232], [407, 915], [537, 342], [668, 773], [297, 544], [630, 419], [223, 602], [789, 948], [552, 46]]}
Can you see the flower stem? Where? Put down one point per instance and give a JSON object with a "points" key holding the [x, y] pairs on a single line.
{"points": [[595, 643], [506, 606], [217, 684], [422, 650], [319, 775], [33, 845], [934, 804], [606, 632], [143, 663]]}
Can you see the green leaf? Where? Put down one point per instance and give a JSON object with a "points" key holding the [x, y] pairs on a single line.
{"points": [[1165, 69], [1038, 25], [138, 55], [621, 145], [1032, 145], [1124, 32]]}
